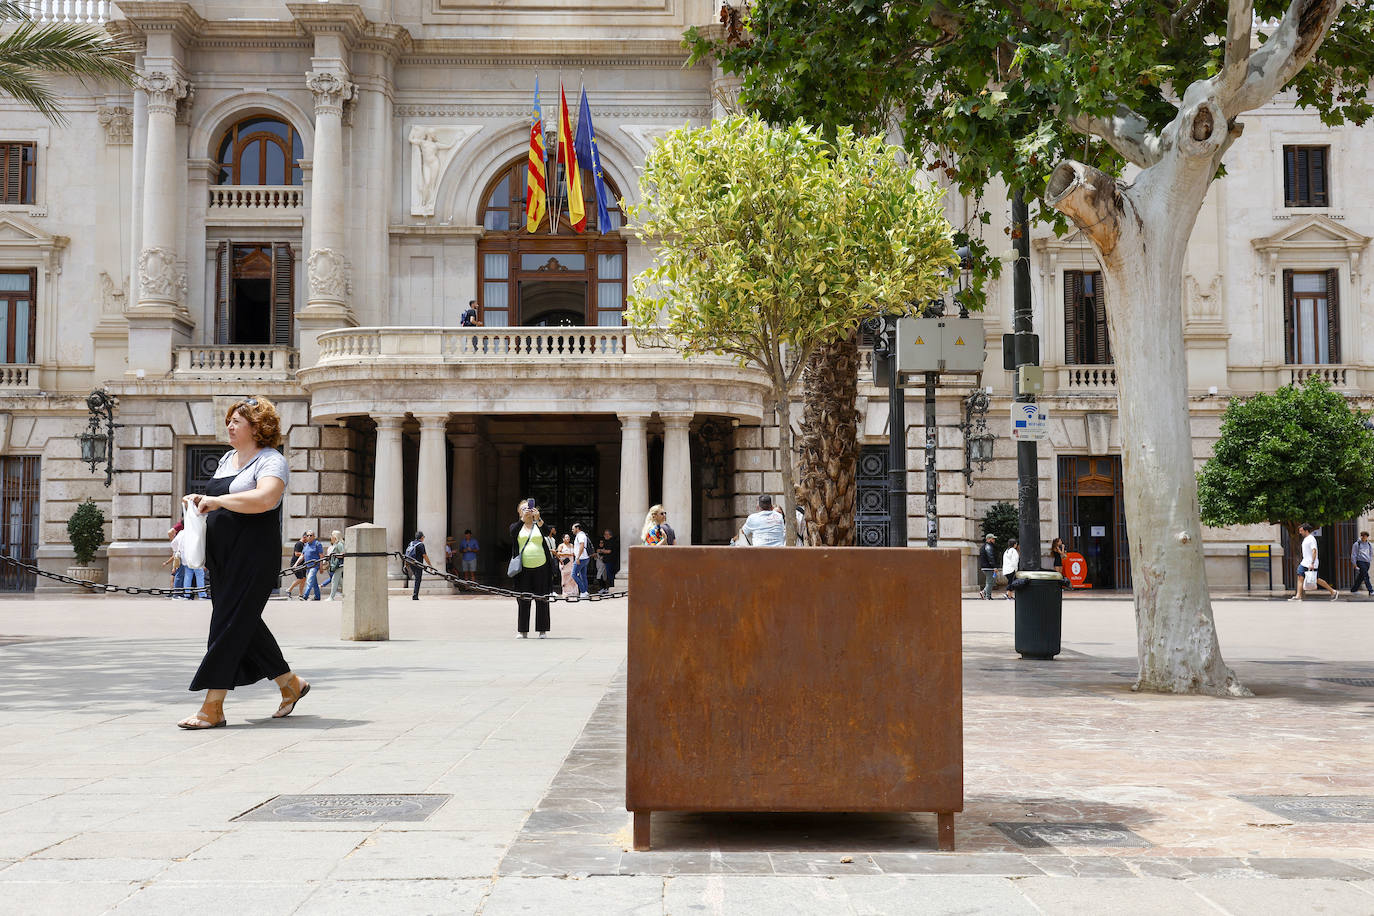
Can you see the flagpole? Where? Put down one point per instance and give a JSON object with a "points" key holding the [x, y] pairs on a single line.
{"points": [[558, 135]]}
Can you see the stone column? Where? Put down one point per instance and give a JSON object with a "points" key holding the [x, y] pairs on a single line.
{"points": [[328, 267], [160, 320], [463, 492], [677, 475], [431, 499], [634, 485], [388, 510]]}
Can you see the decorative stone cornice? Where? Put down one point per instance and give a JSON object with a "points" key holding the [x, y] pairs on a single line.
{"points": [[118, 122], [331, 91], [181, 19], [165, 89], [612, 112], [344, 19]]}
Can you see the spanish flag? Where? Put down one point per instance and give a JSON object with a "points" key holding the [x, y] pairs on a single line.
{"points": [[536, 195], [577, 211]]}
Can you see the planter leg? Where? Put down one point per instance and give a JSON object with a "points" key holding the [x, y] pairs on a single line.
{"points": [[944, 823], [641, 830]]}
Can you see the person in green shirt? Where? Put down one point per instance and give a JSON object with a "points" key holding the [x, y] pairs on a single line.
{"points": [[536, 569]]}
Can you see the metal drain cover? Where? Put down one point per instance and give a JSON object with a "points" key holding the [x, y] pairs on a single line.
{"points": [[1349, 681], [334, 808], [1316, 809], [1091, 834]]}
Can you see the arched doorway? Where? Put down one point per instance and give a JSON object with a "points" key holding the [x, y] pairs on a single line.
{"points": [[543, 279]]}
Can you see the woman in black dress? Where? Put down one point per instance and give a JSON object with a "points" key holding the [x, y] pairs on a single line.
{"points": [[243, 551], [536, 569]]}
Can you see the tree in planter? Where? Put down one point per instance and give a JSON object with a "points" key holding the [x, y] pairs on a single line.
{"points": [[771, 242], [86, 531], [1001, 521], [1007, 89], [1302, 454]]}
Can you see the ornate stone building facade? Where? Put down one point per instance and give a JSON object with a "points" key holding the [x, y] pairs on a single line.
{"points": [[300, 199]]}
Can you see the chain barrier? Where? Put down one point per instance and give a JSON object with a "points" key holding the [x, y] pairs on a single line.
{"points": [[195, 590]]}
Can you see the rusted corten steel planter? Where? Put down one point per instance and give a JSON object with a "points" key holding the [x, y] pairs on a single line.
{"points": [[794, 679]]}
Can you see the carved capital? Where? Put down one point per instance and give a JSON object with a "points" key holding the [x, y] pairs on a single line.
{"points": [[118, 123], [165, 89], [159, 278], [330, 275], [331, 91]]}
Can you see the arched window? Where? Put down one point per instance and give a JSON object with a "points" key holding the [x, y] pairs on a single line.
{"points": [[261, 150], [542, 279]]}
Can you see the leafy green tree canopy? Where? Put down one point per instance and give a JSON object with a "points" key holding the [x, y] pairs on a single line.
{"points": [[1001, 522], [770, 242], [1299, 455], [984, 88]]}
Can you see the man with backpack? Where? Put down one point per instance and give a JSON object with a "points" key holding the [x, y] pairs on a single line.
{"points": [[416, 555]]}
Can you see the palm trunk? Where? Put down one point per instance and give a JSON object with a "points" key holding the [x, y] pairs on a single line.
{"points": [[1140, 233], [828, 450]]}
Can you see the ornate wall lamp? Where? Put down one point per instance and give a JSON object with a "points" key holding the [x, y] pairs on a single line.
{"points": [[97, 442]]}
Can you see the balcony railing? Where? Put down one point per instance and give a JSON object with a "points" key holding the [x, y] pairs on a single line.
{"points": [[231, 199], [94, 11], [1089, 379], [1335, 376], [236, 362], [17, 378]]}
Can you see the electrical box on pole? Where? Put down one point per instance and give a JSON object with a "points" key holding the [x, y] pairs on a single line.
{"points": [[946, 345]]}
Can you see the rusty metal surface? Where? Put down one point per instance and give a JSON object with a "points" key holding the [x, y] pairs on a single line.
{"points": [[794, 679]]}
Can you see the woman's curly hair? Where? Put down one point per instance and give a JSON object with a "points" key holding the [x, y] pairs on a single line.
{"points": [[263, 416]]}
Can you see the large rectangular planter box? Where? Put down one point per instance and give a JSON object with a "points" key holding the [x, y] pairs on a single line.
{"points": [[794, 679]]}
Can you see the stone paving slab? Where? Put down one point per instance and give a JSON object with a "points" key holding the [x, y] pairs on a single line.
{"points": [[104, 807]]}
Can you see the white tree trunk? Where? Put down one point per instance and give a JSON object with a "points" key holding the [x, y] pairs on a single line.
{"points": [[1140, 233]]}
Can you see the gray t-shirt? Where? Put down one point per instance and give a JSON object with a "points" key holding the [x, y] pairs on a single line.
{"points": [[266, 463]]}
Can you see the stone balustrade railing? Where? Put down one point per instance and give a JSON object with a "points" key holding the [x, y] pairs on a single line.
{"points": [[15, 377], [1335, 376], [1088, 379], [237, 361], [93, 11], [591, 344], [256, 198]]}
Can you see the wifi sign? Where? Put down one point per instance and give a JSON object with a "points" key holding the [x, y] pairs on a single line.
{"points": [[1029, 422]]}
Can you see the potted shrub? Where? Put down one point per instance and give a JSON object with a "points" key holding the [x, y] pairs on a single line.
{"points": [[86, 531]]}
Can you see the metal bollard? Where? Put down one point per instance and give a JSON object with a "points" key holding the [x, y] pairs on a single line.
{"points": [[365, 613]]}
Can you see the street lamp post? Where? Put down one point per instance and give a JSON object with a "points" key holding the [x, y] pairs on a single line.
{"points": [[97, 441]]}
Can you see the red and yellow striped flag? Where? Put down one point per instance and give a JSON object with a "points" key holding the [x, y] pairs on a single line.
{"points": [[536, 184], [577, 209]]}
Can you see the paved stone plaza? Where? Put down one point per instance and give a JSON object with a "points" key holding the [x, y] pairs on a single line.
{"points": [[1204, 806]]}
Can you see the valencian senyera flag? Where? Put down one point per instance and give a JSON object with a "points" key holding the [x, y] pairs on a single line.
{"points": [[590, 158], [577, 211], [536, 193]]}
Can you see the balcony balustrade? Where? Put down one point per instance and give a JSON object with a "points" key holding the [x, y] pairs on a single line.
{"points": [[18, 378], [228, 201], [92, 11], [236, 362]]}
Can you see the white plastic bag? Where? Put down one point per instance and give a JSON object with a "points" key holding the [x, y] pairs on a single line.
{"points": [[192, 536], [1310, 580]]}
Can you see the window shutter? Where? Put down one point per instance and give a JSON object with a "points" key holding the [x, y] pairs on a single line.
{"points": [[1290, 176], [283, 293], [1317, 161], [1302, 191], [33, 314], [1289, 344], [1333, 314], [224, 290], [1102, 350], [1073, 285], [13, 154]]}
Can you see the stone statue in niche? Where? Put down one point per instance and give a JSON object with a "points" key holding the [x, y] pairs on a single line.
{"points": [[431, 150]]}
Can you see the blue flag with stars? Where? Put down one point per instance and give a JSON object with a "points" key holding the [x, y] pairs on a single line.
{"points": [[589, 157]]}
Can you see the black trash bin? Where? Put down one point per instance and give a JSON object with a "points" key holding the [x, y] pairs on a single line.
{"points": [[1039, 612]]}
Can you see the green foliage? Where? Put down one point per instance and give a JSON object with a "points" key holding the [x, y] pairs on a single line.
{"points": [[984, 88], [86, 531], [32, 50], [1301, 454], [1001, 521], [772, 241]]}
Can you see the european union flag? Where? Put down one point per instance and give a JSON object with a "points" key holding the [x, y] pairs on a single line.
{"points": [[590, 159]]}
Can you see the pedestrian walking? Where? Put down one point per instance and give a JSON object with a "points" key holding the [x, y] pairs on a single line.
{"points": [[654, 533], [987, 564], [298, 567], [765, 528], [582, 556], [334, 558], [178, 570], [468, 549], [1011, 561], [1361, 553], [415, 556], [311, 554], [601, 571], [243, 549], [533, 575], [612, 556], [566, 554], [448, 556], [1307, 570]]}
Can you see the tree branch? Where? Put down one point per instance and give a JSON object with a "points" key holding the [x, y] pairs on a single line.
{"points": [[1279, 59], [1091, 199], [1240, 17], [1126, 131]]}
